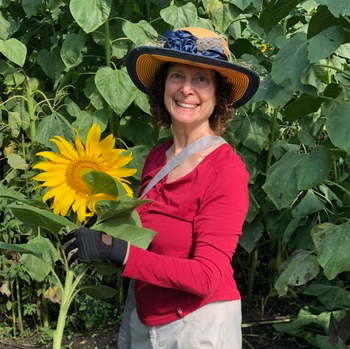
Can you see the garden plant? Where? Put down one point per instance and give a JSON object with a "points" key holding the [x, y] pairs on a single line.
{"points": [[64, 90]]}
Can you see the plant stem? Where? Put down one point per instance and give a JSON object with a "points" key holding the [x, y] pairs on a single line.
{"points": [[44, 310], [253, 265], [19, 307], [107, 45], [272, 138], [66, 301], [30, 104], [112, 116], [13, 312]]}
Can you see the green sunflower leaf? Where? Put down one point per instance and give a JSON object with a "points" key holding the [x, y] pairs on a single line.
{"points": [[40, 217]]}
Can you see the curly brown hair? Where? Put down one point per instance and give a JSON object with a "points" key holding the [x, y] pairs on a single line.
{"points": [[222, 114]]}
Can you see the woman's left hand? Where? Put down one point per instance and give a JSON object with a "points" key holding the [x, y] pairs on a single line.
{"points": [[88, 245]]}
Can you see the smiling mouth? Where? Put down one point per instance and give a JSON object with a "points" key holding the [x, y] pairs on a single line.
{"points": [[186, 105]]}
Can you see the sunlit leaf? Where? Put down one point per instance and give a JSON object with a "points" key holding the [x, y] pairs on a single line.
{"points": [[40, 218], [141, 33], [90, 14], [180, 17], [127, 228], [71, 52], [116, 88], [14, 50]]}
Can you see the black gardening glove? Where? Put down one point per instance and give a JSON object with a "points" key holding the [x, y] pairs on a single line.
{"points": [[86, 245]]}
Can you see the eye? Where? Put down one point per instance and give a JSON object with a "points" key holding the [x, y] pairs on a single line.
{"points": [[202, 78], [175, 76]]}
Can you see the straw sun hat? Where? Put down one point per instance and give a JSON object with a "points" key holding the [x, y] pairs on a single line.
{"points": [[195, 46]]}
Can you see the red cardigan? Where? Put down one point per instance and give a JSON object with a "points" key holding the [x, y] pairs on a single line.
{"points": [[198, 219]]}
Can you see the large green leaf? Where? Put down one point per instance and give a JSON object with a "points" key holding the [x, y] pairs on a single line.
{"points": [[304, 105], [307, 206], [322, 20], [141, 33], [116, 88], [325, 43], [252, 233], [274, 11], [338, 124], [85, 120], [127, 228], [253, 130], [180, 17], [139, 130], [333, 245], [39, 268], [339, 7], [332, 297], [7, 27], [139, 154], [300, 268], [51, 126], [14, 50], [71, 52], [221, 14], [51, 62], [242, 4], [90, 14], [40, 217], [295, 172], [100, 182], [294, 55], [99, 291], [270, 92], [29, 6], [124, 206]]}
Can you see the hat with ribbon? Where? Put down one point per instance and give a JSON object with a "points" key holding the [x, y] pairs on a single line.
{"points": [[194, 46]]}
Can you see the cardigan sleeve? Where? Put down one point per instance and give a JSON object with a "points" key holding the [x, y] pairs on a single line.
{"points": [[217, 227]]}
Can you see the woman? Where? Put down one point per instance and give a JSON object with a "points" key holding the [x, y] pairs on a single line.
{"points": [[186, 296]]}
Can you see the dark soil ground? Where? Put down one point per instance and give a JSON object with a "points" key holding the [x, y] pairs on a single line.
{"points": [[258, 332]]}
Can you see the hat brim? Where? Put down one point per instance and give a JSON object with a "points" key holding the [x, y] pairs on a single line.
{"points": [[143, 62]]}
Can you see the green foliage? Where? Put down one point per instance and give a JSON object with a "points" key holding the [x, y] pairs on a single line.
{"points": [[62, 66]]}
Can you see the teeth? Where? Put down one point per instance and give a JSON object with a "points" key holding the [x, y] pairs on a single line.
{"points": [[186, 105]]}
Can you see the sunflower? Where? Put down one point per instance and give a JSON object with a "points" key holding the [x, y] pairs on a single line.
{"points": [[63, 173]]}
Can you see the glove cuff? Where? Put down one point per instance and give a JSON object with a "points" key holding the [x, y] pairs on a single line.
{"points": [[119, 250]]}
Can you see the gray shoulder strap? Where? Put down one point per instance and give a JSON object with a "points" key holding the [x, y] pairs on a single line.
{"points": [[194, 147]]}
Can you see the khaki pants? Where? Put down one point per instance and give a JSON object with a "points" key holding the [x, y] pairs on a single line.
{"points": [[215, 326]]}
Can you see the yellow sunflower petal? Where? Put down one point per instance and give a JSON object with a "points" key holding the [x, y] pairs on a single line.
{"points": [[68, 201], [79, 144], [53, 191], [58, 158], [129, 191], [92, 140], [79, 207], [65, 148], [122, 172], [107, 145], [50, 166]]}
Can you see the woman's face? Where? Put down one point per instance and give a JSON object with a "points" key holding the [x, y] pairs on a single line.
{"points": [[189, 94]]}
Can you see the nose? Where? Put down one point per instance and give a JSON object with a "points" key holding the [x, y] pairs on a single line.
{"points": [[187, 88]]}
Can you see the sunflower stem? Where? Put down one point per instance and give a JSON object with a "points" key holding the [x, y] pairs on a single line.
{"points": [[30, 104], [107, 44], [67, 292], [272, 138]]}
